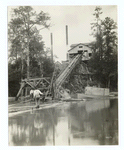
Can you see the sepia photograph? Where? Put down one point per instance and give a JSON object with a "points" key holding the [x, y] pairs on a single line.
{"points": [[62, 75]]}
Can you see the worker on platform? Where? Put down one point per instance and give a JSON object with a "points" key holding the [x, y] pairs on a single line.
{"points": [[37, 94]]}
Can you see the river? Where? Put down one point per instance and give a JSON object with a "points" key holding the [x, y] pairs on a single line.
{"points": [[92, 122]]}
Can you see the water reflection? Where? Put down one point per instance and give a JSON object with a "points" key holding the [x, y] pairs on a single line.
{"points": [[78, 123]]}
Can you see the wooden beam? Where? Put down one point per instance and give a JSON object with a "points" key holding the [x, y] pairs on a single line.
{"points": [[47, 81], [30, 84], [25, 91], [19, 92], [38, 82], [35, 79]]}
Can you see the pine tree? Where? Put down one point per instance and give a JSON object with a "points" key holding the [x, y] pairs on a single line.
{"points": [[23, 27]]}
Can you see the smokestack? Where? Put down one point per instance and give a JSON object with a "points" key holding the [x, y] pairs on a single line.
{"points": [[67, 41], [66, 35]]}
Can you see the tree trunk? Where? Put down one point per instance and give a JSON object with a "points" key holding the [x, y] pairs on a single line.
{"points": [[28, 58], [22, 67], [109, 82], [28, 74]]}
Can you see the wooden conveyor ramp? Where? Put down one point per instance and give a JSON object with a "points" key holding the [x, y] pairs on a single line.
{"points": [[59, 90]]}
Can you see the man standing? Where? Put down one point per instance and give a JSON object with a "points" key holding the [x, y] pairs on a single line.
{"points": [[37, 94]]}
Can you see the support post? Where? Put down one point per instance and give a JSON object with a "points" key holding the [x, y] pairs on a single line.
{"points": [[69, 130], [19, 92], [52, 47], [25, 91], [22, 94]]}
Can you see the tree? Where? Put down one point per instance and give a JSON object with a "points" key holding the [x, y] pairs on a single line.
{"points": [[15, 75], [109, 36], [15, 71], [25, 43], [23, 27], [97, 30], [110, 48], [104, 60]]}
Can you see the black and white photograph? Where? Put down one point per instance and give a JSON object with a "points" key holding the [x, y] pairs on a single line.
{"points": [[62, 75]]}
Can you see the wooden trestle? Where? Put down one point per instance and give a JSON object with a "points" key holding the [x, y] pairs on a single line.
{"points": [[42, 84]]}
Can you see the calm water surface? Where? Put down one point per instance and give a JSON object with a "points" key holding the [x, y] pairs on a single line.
{"points": [[92, 122]]}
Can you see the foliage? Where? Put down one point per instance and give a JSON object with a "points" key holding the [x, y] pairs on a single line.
{"points": [[104, 60], [26, 42], [23, 33], [15, 73]]}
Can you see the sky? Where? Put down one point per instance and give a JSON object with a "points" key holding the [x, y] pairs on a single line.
{"points": [[78, 19]]}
